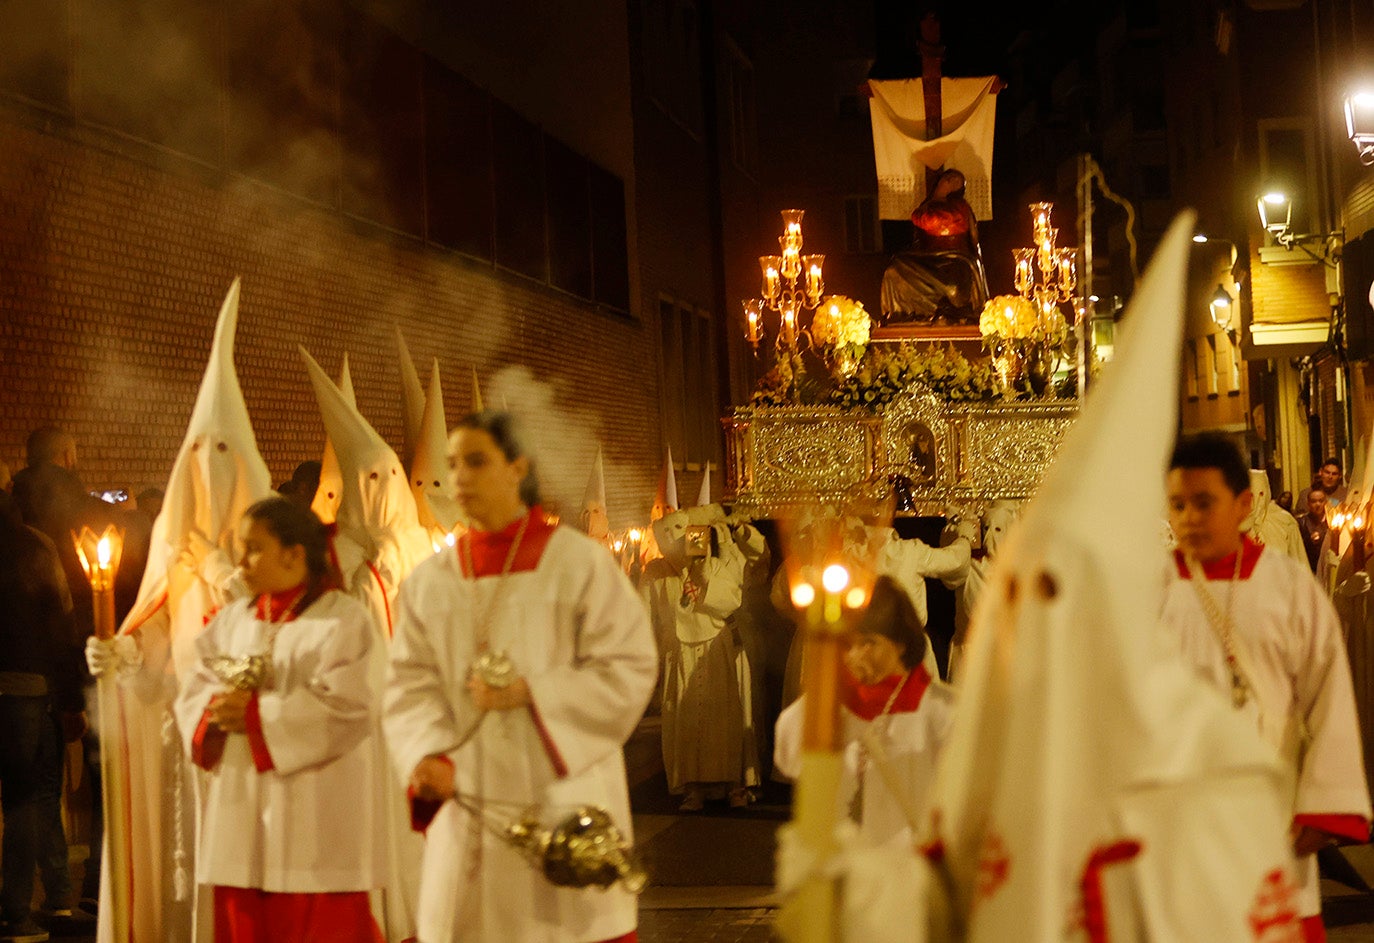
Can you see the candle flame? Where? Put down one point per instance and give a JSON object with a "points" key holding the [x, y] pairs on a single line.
{"points": [[803, 595], [104, 552], [636, 534], [835, 578]]}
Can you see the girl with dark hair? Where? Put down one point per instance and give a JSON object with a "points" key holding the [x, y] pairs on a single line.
{"points": [[280, 713], [892, 708], [521, 664]]}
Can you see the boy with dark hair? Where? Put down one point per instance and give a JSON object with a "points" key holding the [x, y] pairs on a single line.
{"points": [[1256, 625]]}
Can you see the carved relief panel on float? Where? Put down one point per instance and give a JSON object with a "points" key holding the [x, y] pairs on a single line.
{"points": [[965, 453]]}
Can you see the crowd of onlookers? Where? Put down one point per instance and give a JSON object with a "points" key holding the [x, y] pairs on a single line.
{"points": [[1315, 506]]}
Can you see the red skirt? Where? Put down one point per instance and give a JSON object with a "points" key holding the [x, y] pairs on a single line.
{"points": [[248, 915]]}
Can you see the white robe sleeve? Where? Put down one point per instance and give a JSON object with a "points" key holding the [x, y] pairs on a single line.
{"points": [[419, 718], [200, 684], [723, 577], [587, 709], [332, 710], [1331, 780]]}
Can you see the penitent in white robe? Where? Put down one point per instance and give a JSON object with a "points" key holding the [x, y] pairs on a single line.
{"points": [[570, 622], [708, 727], [1293, 649], [911, 734], [312, 823]]}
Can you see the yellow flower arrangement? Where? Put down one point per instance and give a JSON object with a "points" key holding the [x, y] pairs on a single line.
{"points": [[1009, 317], [1013, 318], [841, 322]]}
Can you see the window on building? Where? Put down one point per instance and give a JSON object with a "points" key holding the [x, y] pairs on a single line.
{"points": [[149, 68], [610, 241], [282, 93], [381, 126], [691, 411], [1154, 182], [672, 59], [861, 232], [458, 167], [1212, 374], [518, 163], [1191, 371], [1288, 164], [741, 125], [570, 220], [37, 51]]}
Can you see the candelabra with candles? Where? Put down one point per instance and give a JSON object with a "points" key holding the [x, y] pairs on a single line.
{"points": [[99, 556], [1027, 332], [792, 283], [1046, 275]]}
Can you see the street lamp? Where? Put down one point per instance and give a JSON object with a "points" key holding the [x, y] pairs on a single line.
{"points": [[1220, 306], [1276, 215], [1359, 124]]}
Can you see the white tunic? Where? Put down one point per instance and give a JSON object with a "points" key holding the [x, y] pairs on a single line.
{"points": [[312, 823], [708, 728], [1292, 647], [581, 639], [911, 739]]}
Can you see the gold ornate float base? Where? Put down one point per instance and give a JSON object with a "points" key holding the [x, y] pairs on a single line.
{"points": [[969, 454]]}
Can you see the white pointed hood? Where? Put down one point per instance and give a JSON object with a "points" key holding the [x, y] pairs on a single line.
{"points": [[477, 406], [429, 472], [704, 492], [595, 520], [1084, 747], [218, 472], [412, 403], [665, 499], [376, 503], [325, 504]]}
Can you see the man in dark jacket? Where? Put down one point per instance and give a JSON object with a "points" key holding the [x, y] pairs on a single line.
{"points": [[41, 707]]}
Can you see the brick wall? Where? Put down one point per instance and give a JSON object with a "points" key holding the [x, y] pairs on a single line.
{"points": [[113, 263]]}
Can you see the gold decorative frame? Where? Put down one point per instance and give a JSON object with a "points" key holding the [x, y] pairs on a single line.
{"points": [[965, 454]]}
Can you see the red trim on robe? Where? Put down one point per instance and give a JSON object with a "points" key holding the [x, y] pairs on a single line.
{"points": [[386, 603], [1354, 828], [488, 549], [1094, 907], [867, 700], [631, 937], [560, 766], [207, 746], [423, 811], [272, 606], [1313, 930], [131, 628], [249, 915], [1223, 568], [257, 743]]}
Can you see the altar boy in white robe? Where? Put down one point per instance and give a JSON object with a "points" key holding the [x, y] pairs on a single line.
{"points": [[522, 662], [893, 708], [1257, 625], [280, 713]]}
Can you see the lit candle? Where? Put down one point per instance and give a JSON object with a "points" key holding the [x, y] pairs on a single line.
{"points": [[1068, 273], [770, 265], [1040, 220], [788, 335], [1025, 271], [752, 311]]}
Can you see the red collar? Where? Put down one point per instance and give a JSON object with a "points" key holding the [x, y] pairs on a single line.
{"points": [[867, 700], [488, 549], [1223, 568], [278, 607]]}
